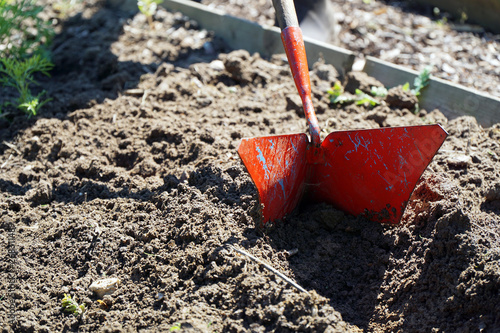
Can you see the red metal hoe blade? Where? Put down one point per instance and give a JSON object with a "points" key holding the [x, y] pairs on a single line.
{"points": [[371, 172], [278, 168], [374, 172]]}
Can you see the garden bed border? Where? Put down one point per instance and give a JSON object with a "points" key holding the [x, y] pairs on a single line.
{"points": [[453, 100]]}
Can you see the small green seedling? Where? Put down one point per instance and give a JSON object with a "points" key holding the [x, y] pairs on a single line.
{"points": [[337, 95], [33, 104], [23, 35], [463, 17], [17, 38], [175, 327], [19, 75], [379, 92], [363, 99], [71, 306], [335, 92], [148, 8], [420, 82]]}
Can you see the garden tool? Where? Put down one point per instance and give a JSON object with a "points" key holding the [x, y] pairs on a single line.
{"points": [[371, 172]]}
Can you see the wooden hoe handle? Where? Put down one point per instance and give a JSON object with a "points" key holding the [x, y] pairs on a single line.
{"points": [[285, 12]]}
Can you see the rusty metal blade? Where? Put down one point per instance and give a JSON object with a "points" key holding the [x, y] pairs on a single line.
{"points": [[277, 165]]}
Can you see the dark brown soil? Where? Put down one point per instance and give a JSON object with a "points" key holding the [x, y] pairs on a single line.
{"points": [[131, 172]]}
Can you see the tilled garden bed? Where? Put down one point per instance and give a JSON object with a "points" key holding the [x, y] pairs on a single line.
{"points": [[131, 172]]}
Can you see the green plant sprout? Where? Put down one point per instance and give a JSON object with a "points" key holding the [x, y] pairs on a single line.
{"points": [[71, 306], [19, 75], [148, 8], [337, 95], [336, 91], [17, 39], [379, 92], [421, 81], [32, 106], [175, 327], [23, 36], [363, 98]]}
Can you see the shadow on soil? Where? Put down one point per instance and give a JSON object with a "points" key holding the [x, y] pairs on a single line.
{"points": [[421, 284], [340, 257], [87, 72], [368, 270]]}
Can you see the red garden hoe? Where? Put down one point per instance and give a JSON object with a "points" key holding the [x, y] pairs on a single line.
{"points": [[371, 172]]}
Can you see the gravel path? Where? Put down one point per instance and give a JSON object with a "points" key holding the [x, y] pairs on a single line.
{"points": [[395, 31]]}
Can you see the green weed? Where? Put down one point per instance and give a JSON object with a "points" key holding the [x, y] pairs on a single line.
{"points": [[71, 306], [335, 92], [175, 327], [19, 75], [337, 95], [422, 80], [365, 99], [22, 32], [379, 92], [23, 40]]}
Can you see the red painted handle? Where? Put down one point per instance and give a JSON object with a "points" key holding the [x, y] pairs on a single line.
{"points": [[296, 54]]}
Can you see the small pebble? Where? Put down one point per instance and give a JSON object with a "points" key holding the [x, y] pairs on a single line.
{"points": [[459, 160], [104, 286], [217, 65]]}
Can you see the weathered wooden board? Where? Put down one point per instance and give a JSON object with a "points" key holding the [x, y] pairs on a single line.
{"points": [[452, 100], [243, 34]]}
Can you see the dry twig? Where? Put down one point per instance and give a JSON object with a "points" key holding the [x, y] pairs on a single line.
{"points": [[269, 268], [5, 163]]}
